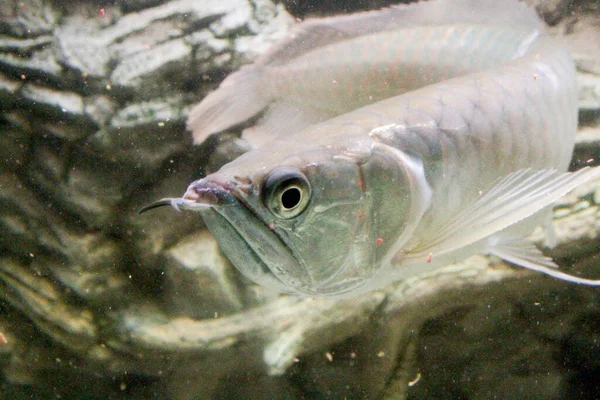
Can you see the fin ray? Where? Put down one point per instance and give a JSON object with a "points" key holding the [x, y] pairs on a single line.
{"points": [[510, 200], [523, 253]]}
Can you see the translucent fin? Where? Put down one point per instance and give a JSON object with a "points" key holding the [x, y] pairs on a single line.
{"points": [[238, 99], [518, 250], [521, 252], [315, 33], [510, 200], [283, 118], [549, 230]]}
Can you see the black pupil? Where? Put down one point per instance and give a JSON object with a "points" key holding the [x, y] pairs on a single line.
{"points": [[290, 198]]}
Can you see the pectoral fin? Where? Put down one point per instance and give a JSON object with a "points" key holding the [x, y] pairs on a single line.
{"points": [[520, 251], [510, 199]]}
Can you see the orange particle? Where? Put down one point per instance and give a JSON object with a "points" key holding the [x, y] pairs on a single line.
{"points": [[429, 257], [361, 215], [3, 338], [379, 241], [272, 227], [361, 184]]}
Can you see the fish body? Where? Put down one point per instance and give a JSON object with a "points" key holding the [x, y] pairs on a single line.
{"points": [[407, 184], [335, 65]]}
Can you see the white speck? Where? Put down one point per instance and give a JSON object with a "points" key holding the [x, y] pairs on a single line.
{"points": [[414, 381]]}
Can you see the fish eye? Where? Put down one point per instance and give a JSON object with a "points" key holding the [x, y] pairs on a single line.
{"points": [[286, 192]]}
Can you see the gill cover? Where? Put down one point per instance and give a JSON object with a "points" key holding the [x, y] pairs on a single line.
{"points": [[357, 215]]}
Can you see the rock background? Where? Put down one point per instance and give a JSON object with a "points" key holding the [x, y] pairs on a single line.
{"points": [[98, 302]]}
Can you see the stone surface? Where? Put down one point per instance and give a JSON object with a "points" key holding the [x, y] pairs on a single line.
{"points": [[551, 10], [585, 51], [14, 148], [199, 282], [26, 18]]}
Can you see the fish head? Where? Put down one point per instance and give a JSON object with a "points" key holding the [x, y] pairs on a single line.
{"points": [[309, 220]]}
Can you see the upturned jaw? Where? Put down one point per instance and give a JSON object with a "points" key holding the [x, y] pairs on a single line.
{"points": [[247, 241], [200, 195]]}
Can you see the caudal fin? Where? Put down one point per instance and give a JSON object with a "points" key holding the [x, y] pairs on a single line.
{"points": [[238, 98]]}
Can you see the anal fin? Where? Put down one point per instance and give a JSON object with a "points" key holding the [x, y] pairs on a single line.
{"points": [[522, 252]]}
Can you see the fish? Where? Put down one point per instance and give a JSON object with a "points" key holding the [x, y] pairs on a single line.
{"points": [[466, 163], [351, 61]]}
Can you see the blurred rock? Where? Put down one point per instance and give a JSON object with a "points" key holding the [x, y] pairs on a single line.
{"points": [[134, 5], [25, 230], [163, 59], [199, 282], [15, 147], [9, 89], [551, 10], [80, 48], [582, 44], [41, 64], [84, 187], [26, 18]]}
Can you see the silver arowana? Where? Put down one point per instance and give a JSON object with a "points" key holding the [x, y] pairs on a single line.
{"points": [[467, 165]]}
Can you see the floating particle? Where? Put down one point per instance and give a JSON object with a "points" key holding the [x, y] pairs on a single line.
{"points": [[414, 381]]}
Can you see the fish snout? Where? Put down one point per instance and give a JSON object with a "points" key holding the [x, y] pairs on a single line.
{"points": [[209, 193]]}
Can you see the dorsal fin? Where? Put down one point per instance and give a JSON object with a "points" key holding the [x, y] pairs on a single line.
{"points": [[319, 32]]}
